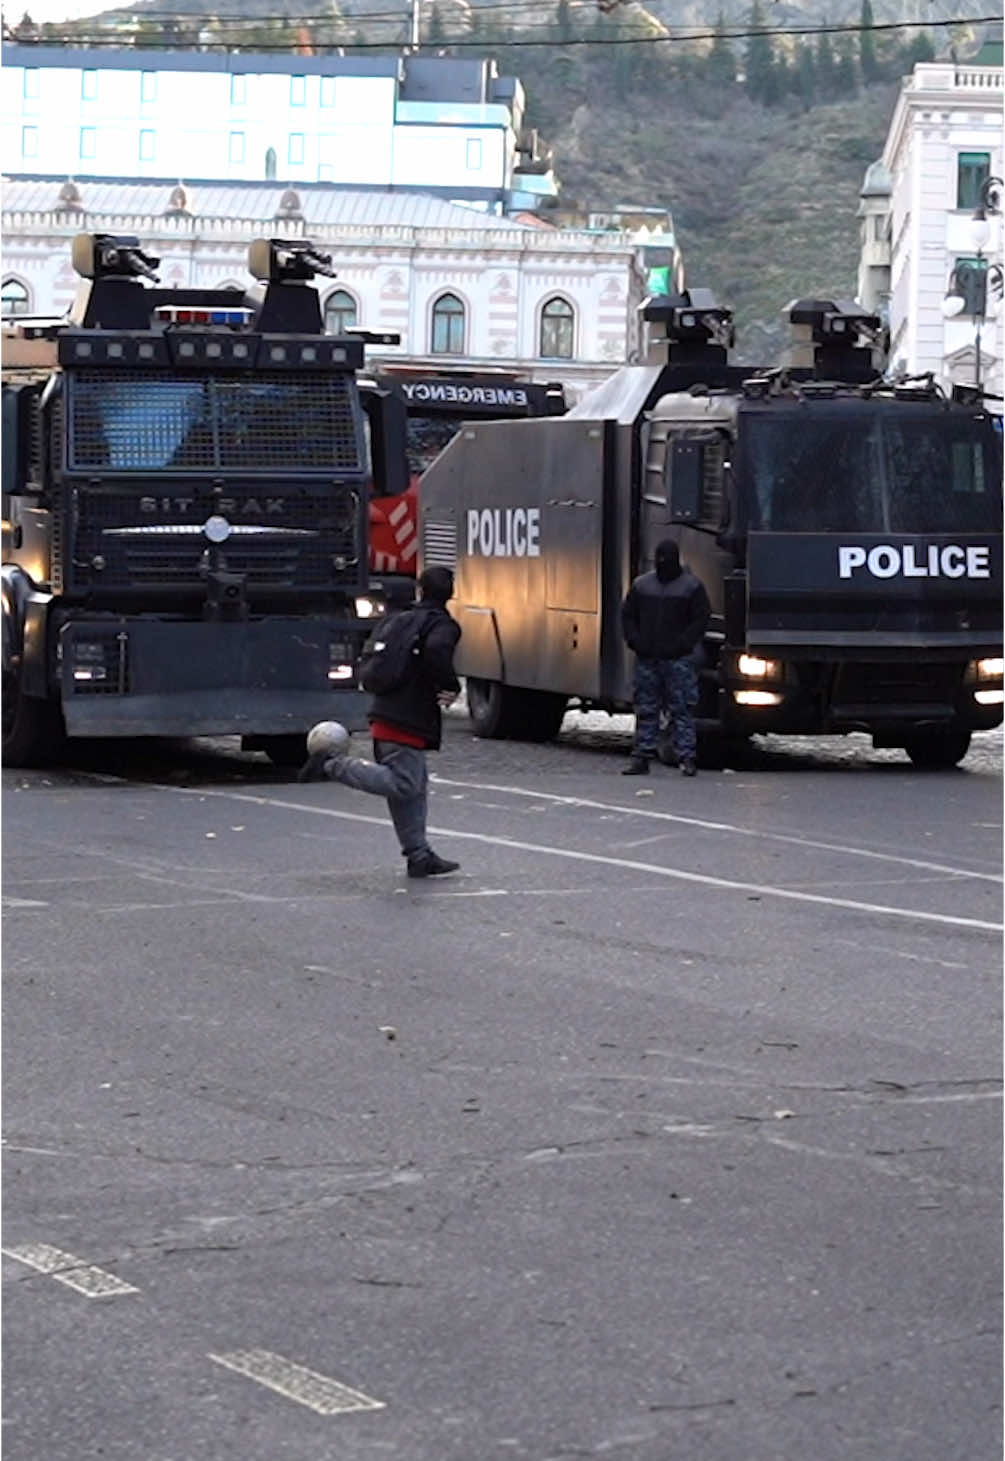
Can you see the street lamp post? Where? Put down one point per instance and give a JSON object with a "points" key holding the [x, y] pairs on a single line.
{"points": [[970, 280]]}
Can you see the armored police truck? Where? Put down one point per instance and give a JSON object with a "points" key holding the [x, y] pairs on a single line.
{"points": [[184, 508], [847, 529]]}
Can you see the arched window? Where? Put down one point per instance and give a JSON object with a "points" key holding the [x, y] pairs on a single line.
{"points": [[558, 327], [14, 298], [340, 312], [270, 163], [448, 326]]}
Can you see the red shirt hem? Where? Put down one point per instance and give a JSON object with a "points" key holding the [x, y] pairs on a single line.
{"points": [[381, 731]]}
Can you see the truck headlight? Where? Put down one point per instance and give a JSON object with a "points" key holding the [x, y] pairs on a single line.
{"points": [[756, 697], [369, 609], [752, 667], [990, 669]]}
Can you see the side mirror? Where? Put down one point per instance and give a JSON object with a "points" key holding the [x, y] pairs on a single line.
{"points": [[388, 420], [684, 475]]}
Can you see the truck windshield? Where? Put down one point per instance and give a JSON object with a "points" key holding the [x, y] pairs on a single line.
{"points": [[123, 421], [870, 472]]}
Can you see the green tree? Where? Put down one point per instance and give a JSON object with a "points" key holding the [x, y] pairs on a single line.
{"points": [[867, 58], [804, 76], [845, 83], [760, 60], [720, 63], [826, 67], [920, 51]]}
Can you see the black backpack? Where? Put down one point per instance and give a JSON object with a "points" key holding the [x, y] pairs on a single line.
{"points": [[391, 655]]}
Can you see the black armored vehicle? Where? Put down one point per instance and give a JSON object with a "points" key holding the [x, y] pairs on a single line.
{"points": [[848, 530], [185, 534]]}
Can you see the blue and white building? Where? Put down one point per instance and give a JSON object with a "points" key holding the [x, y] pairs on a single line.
{"points": [[447, 126]]}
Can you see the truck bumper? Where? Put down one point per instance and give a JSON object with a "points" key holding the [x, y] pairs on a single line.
{"points": [[151, 677]]}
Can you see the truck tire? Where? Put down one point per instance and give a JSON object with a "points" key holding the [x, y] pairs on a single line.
{"points": [[937, 750], [541, 714], [494, 709], [285, 751], [32, 728]]}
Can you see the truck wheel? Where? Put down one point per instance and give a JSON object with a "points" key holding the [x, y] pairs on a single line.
{"points": [[494, 709], [32, 728], [285, 751], [539, 715], [937, 750]]}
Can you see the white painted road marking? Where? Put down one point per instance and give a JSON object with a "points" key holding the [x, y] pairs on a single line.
{"points": [[9, 901], [759, 833], [93, 1283], [306, 1387], [762, 890]]}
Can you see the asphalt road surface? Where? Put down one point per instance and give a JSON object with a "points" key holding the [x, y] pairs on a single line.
{"points": [[669, 1128]]}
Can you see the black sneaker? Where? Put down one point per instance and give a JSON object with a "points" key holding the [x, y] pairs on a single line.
{"points": [[637, 766], [688, 768], [428, 865], [313, 768]]}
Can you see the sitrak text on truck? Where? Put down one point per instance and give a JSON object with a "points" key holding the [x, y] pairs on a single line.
{"points": [[847, 529]]}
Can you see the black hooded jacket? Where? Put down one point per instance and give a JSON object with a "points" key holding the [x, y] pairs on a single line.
{"points": [[414, 707], [665, 613]]}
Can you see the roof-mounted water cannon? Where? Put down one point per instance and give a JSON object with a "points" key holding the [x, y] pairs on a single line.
{"points": [[688, 328], [287, 301], [836, 339], [287, 261], [109, 256]]}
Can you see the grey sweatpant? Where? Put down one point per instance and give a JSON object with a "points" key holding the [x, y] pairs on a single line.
{"points": [[398, 773]]}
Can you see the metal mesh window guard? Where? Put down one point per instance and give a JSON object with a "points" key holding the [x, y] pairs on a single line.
{"points": [[149, 420]]}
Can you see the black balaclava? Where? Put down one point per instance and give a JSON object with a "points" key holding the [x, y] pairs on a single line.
{"points": [[667, 561]]}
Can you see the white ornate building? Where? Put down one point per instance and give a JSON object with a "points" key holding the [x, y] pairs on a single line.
{"points": [[461, 286], [944, 141]]}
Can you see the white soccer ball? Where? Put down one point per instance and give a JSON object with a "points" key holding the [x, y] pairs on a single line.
{"points": [[328, 736]]}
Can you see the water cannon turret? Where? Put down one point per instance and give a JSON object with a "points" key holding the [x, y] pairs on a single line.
{"points": [[836, 339], [287, 261], [688, 328], [286, 298], [112, 256]]}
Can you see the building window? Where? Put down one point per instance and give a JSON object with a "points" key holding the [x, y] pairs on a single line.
{"points": [[147, 145], [236, 147], [473, 154], [295, 150], [340, 312], [558, 325], [972, 171], [31, 82], [970, 282], [327, 91], [238, 90], [88, 141], [29, 141], [298, 91], [148, 86], [448, 326], [14, 298], [270, 163], [89, 85]]}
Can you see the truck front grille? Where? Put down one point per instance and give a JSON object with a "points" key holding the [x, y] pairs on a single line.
{"points": [[279, 539], [903, 682]]}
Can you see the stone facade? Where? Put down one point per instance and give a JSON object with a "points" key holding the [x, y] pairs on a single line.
{"points": [[393, 270]]}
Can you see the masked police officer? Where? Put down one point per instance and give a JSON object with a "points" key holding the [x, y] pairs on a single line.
{"points": [[663, 619]]}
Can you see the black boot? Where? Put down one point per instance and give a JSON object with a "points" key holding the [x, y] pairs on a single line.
{"points": [[428, 865], [637, 766], [688, 768]]}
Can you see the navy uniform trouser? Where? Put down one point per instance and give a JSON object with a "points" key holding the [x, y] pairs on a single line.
{"points": [[670, 685]]}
